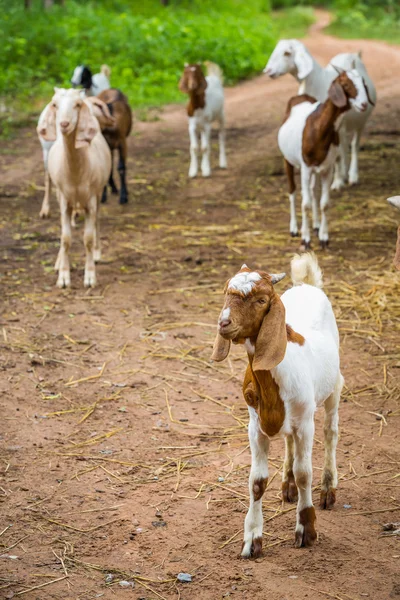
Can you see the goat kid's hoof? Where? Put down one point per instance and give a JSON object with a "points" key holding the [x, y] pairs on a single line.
{"points": [[252, 549], [327, 499], [44, 214], [97, 256], [305, 534], [89, 279], [324, 244], [289, 490], [123, 200], [64, 280], [305, 245], [337, 186], [316, 230], [114, 191], [294, 234]]}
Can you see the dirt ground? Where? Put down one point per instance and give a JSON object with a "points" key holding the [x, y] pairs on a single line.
{"points": [[124, 453]]}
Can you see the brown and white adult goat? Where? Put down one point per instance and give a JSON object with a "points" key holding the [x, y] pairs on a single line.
{"points": [[309, 140], [79, 165], [206, 105], [116, 136], [292, 344]]}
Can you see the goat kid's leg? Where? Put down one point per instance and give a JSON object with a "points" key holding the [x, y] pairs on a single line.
{"points": [[194, 147], [289, 168], [305, 205], [89, 240], [302, 467], [205, 148], [253, 524], [355, 148], [221, 137], [289, 487], [329, 479], [97, 248], [340, 175], [326, 179], [62, 262], [123, 153], [45, 210], [314, 201], [111, 182]]}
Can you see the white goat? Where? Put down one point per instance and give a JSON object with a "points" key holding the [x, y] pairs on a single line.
{"points": [[308, 140], [291, 56], [92, 84], [206, 105], [79, 165], [292, 344]]}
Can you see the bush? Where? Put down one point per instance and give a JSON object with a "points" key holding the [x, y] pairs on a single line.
{"points": [[144, 43]]}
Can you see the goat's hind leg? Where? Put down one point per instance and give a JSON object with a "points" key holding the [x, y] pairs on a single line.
{"points": [[253, 524], [221, 137], [205, 148], [294, 232], [289, 487], [89, 237], [45, 210], [305, 205], [194, 146], [331, 427]]}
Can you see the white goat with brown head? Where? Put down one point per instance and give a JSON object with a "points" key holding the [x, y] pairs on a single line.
{"points": [[292, 344], [79, 165]]}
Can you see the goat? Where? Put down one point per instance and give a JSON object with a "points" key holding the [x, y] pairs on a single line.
{"points": [[308, 139], [292, 344], [291, 56], [79, 165], [206, 105], [103, 115], [116, 137], [92, 84], [395, 201]]}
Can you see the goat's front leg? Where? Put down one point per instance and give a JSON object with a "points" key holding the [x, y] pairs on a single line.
{"points": [[45, 210], [302, 467], [355, 147], [253, 524], [331, 428], [205, 148], [97, 248], [123, 154], [314, 201], [89, 240], [289, 487], [340, 174], [62, 262], [222, 153], [326, 178], [294, 232], [194, 146], [305, 205]]}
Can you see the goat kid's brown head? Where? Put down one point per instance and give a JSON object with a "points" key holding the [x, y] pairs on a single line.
{"points": [[254, 311], [348, 91], [101, 111], [193, 79], [68, 113]]}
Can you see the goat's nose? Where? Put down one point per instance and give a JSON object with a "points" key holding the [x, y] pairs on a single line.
{"points": [[64, 124], [224, 323], [364, 106]]}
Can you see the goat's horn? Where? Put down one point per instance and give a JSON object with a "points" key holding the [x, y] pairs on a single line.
{"points": [[394, 201], [337, 69], [244, 266], [277, 277]]}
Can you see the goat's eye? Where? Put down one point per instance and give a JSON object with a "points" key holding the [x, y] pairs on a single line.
{"points": [[54, 105], [287, 53], [261, 301]]}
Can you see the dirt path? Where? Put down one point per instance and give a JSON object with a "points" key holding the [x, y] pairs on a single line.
{"points": [[124, 452]]}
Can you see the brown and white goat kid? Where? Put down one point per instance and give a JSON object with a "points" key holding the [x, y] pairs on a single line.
{"points": [[206, 105], [79, 165], [292, 344], [309, 140]]}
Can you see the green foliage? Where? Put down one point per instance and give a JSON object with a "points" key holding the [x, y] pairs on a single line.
{"points": [[144, 43], [378, 19]]}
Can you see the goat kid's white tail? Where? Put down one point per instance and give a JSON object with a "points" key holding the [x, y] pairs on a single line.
{"points": [[214, 69], [305, 269]]}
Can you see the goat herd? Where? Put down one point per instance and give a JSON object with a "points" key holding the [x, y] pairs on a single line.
{"points": [[292, 341]]}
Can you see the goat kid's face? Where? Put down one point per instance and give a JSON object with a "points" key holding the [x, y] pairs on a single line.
{"points": [[82, 75], [192, 80], [253, 310], [289, 56], [348, 90]]}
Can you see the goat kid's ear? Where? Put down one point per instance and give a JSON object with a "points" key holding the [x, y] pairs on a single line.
{"points": [[272, 338], [220, 349], [86, 128], [183, 84], [47, 124], [303, 62], [337, 95], [105, 111], [367, 91]]}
